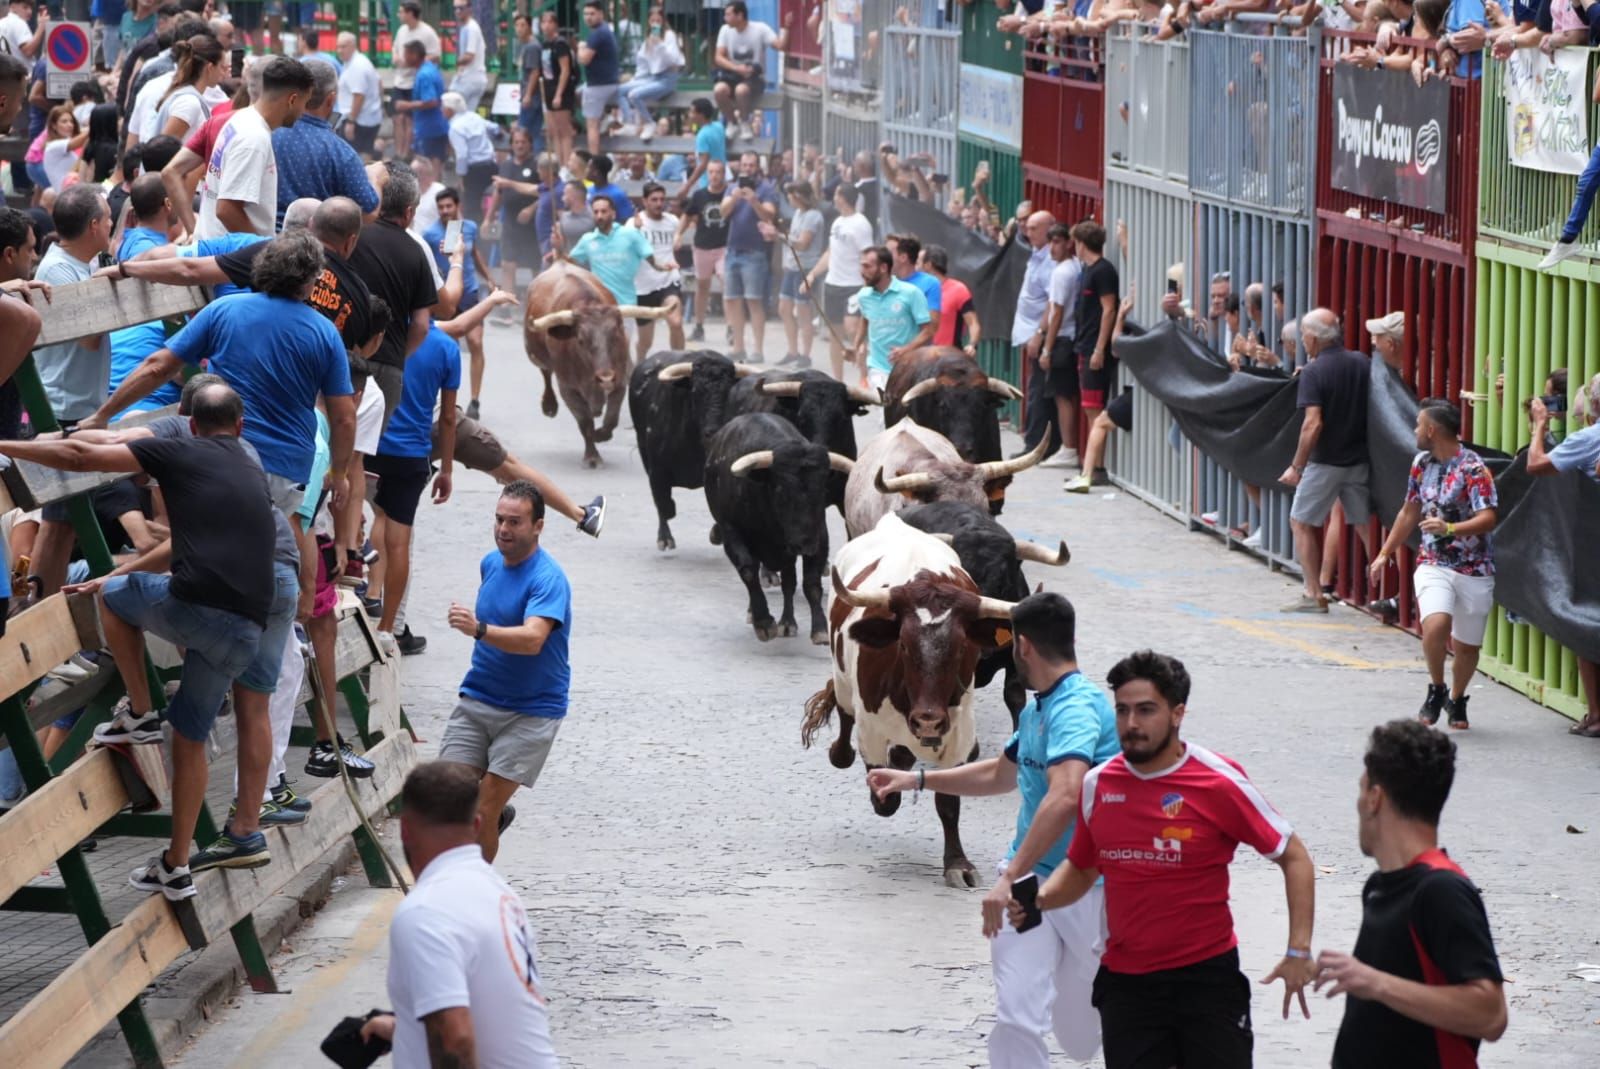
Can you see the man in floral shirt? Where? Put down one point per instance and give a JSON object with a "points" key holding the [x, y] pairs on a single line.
{"points": [[1451, 496]]}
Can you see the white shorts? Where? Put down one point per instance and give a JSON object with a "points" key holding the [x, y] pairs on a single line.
{"points": [[1466, 599], [877, 379]]}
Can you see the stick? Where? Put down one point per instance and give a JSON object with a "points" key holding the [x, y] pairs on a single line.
{"points": [[811, 291]]}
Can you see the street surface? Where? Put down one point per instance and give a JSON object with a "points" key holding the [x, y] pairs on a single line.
{"points": [[706, 894]]}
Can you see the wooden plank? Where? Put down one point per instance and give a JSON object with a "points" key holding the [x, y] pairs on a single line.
{"points": [[761, 146], [84, 309], [684, 99], [33, 485], [36, 640], [55, 818], [46, 706], [13, 147]]}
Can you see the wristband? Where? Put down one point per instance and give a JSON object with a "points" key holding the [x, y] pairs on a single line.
{"points": [[1450, 529], [122, 270], [483, 629], [922, 778], [1293, 952]]}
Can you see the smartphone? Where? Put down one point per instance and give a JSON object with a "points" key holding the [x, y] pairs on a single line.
{"points": [[1025, 889], [1556, 403], [452, 237], [238, 63], [1172, 286], [746, 182]]}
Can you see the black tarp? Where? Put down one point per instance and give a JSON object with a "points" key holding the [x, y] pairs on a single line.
{"points": [[993, 273]]}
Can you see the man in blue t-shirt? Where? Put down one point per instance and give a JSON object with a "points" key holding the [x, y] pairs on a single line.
{"points": [[906, 251], [1043, 977], [515, 694], [430, 130], [710, 143], [894, 317], [750, 209], [598, 56]]}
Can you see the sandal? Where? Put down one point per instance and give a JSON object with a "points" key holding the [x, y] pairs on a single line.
{"points": [[1585, 728]]}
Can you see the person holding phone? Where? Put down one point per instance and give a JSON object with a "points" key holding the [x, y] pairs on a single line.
{"points": [[1042, 976]]}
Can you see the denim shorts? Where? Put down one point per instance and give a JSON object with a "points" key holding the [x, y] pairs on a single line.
{"points": [[261, 675], [789, 287], [746, 274], [217, 644]]}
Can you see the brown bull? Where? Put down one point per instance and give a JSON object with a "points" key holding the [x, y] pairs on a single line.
{"points": [[574, 333]]}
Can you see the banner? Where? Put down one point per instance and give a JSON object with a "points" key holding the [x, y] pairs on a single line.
{"points": [[1547, 112], [991, 105], [1391, 137], [844, 41]]}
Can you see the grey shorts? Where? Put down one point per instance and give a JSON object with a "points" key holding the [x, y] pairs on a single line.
{"points": [[1322, 484], [287, 495], [595, 99], [512, 745]]}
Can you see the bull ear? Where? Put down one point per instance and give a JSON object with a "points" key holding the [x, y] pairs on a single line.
{"points": [[876, 631], [990, 633]]}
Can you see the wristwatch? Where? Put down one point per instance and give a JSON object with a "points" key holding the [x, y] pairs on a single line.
{"points": [[483, 629]]}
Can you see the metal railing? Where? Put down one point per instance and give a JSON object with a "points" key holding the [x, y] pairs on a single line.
{"points": [[983, 43], [920, 93], [1147, 95], [1063, 99]]}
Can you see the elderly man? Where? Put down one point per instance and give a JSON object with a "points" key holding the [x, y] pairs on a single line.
{"points": [[1028, 332], [1389, 339], [473, 147], [360, 98], [315, 162]]}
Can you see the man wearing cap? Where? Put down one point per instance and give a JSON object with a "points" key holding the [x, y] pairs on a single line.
{"points": [[1389, 339]]}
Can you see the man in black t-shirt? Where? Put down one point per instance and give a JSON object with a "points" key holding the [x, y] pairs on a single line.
{"points": [[704, 210], [1423, 987], [1096, 319]]}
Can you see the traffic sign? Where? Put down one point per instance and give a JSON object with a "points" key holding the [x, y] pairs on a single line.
{"points": [[67, 54]]}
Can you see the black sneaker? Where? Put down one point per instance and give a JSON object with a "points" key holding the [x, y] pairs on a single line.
{"points": [[373, 606], [1387, 609], [1438, 694], [125, 728], [507, 815], [472, 408], [1101, 477], [176, 883], [323, 761], [226, 852], [698, 333], [594, 517], [1457, 708], [283, 797], [273, 813], [410, 644]]}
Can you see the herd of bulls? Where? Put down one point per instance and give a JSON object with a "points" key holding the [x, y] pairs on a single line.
{"points": [[923, 589]]}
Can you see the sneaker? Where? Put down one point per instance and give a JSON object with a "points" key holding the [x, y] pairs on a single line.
{"points": [[1210, 518], [273, 813], [355, 570], [594, 517], [1438, 695], [374, 607], [1387, 609], [283, 797], [323, 761], [409, 644], [1457, 708], [1561, 250], [387, 646], [1305, 603], [68, 672], [472, 408], [1101, 477], [125, 728], [175, 883], [1061, 458], [647, 131], [226, 852], [507, 815], [1077, 485], [794, 360], [698, 333], [1252, 540]]}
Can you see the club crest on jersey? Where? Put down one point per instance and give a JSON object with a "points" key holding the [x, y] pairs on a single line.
{"points": [[1172, 803]]}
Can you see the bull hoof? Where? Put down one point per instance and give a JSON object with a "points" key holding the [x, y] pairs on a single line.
{"points": [[593, 461], [715, 535], [819, 638], [960, 873], [602, 435], [841, 754], [664, 544], [789, 630], [549, 406], [886, 807], [766, 632]]}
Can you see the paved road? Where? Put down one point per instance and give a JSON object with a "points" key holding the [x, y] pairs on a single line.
{"points": [[708, 894]]}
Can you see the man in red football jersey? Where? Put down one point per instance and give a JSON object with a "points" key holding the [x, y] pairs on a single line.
{"points": [[1161, 822]]}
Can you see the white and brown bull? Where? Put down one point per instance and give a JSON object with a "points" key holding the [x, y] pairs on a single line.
{"points": [[909, 464], [906, 627], [573, 332]]}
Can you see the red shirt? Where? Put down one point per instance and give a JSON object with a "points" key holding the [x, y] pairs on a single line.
{"points": [[203, 140], [1163, 844], [954, 299]]}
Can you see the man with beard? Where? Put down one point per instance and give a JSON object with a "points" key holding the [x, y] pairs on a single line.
{"points": [[1160, 822], [1041, 976]]}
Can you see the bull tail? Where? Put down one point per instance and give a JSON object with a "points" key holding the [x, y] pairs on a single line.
{"points": [[819, 710]]}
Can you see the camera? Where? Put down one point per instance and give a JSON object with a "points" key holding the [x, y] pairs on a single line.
{"points": [[747, 182], [1557, 404]]}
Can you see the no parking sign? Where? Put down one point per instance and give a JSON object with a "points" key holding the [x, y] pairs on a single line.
{"points": [[67, 52]]}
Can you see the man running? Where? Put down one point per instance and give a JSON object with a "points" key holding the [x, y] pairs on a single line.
{"points": [[658, 288], [614, 252], [1424, 984], [1161, 822]]}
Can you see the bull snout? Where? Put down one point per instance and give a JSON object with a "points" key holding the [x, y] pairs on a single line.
{"points": [[929, 726], [608, 381]]}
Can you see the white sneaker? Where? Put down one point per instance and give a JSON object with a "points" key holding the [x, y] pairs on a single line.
{"points": [[625, 130], [1078, 485], [1209, 518], [1062, 458], [1561, 250], [647, 131], [1252, 540]]}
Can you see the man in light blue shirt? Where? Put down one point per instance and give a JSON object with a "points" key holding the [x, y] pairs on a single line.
{"points": [[894, 315], [614, 252], [710, 143], [473, 147]]}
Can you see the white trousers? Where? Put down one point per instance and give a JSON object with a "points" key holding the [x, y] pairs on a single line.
{"points": [[281, 704], [1043, 981]]}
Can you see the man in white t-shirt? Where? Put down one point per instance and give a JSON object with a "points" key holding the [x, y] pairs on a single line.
{"points": [[428, 207], [658, 288], [472, 60], [15, 36], [840, 267], [360, 96], [412, 28], [463, 965], [241, 183], [740, 65]]}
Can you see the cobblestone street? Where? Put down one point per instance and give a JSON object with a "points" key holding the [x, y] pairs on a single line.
{"points": [[707, 894]]}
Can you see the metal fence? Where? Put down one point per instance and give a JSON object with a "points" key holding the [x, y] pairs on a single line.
{"points": [[1063, 99], [1254, 93], [982, 43], [803, 121], [921, 94], [1147, 121]]}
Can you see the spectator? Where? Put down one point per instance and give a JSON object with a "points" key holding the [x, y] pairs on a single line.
{"points": [[513, 200], [241, 188], [19, 323], [600, 185], [308, 46], [1118, 414], [412, 29], [473, 268], [314, 162], [750, 209], [804, 249], [576, 218], [222, 29], [740, 72], [472, 143], [13, 91], [187, 162], [472, 58], [360, 98], [710, 144], [428, 189], [107, 15], [157, 77], [530, 60], [659, 287], [16, 35], [396, 269], [558, 85], [655, 76], [597, 54], [895, 315], [430, 131], [186, 103], [1330, 462], [1388, 340], [101, 153], [75, 373], [55, 153], [705, 211], [1060, 361], [1028, 330], [958, 319], [840, 266], [907, 256], [1097, 317], [1221, 336]]}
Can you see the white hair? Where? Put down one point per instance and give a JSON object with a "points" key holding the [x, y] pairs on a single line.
{"points": [[346, 38], [299, 212], [453, 101], [1586, 407]]}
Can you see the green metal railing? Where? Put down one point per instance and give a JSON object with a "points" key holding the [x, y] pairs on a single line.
{"points": [[983, 44]]}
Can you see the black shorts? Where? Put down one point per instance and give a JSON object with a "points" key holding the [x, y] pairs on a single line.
{"points": [[401, 481], [658, 298], [1120, 409], [836, 301], [1095, 386], [567, 100], [519, 242], [365, 139], [757, 80], [1197, 1016], [1063, 369], [395, 95]]}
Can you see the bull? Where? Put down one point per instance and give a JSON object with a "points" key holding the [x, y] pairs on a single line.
{"points": [[573, 333], [677, 402], [906, 627], [943, 389], [823, 408], [767, 490], [908, 464], [993, 557]]}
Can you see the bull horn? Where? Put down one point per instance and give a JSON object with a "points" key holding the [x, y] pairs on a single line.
{"points": [[921, 389], [995, 609], [741, 370], [672, 372], [1043, 554], [996, 469], [782, 389], [1005, 389], [860, 599], [639, 311], [863, 396], [944, 536], [554, 319], [840, 462], [761, 458], [900, 484]]}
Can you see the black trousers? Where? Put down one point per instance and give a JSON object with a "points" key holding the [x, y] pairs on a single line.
{"points": [[1195, 1017], [1041, 416], [475, 186]]}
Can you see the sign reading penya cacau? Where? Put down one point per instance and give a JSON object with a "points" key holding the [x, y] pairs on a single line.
{"points": [[1391, 137]]}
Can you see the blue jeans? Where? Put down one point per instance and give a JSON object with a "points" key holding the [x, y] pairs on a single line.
{"points": [[262, 673], [746, 274], [638, 94], [1588, 186], [218, 645], [531, 119]]}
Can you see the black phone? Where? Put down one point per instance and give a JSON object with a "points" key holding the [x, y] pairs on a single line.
{"points": [[1025, 889], [238, 63], [1172, 286], [1556, 403], [746, 182]]}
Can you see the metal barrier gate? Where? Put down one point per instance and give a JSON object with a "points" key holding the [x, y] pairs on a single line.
{"points": [[1147, 123], [920, 97]]}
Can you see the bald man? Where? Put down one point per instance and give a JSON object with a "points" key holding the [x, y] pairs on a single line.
{"points": [[1028, 328]]}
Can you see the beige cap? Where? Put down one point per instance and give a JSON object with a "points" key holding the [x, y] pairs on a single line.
{"points": [[1392, 325]]}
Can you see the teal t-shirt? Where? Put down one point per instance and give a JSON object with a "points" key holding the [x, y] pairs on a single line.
{"points": [[320, 462], [615, 258], [1073, 719], [893, 318]]}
